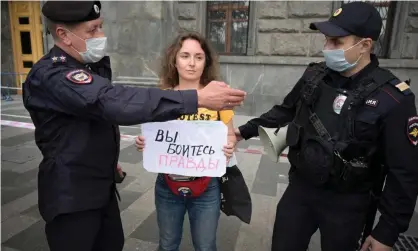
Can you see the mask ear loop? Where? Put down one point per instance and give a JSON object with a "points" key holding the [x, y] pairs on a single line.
{"points": [[84, 40], [353, 47]]}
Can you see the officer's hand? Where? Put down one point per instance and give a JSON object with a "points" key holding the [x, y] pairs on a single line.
{"points": [[238, 134], [373, 245], [140, 143], [219, 96]]}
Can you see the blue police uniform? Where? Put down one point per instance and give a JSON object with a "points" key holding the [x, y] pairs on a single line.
{"points": [[343, 134], [76, 112]]}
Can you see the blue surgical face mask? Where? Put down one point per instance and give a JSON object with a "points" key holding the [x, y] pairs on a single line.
{"points": [[335, 59]]}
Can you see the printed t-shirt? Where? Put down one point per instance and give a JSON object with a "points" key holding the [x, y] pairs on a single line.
{"points": [[205, 114]]}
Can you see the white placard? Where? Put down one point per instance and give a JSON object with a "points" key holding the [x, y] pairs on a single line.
{"points": [[189, 148]]}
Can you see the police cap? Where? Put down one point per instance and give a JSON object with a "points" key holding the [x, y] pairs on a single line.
{"points": [[71, 11], [356, 18]]}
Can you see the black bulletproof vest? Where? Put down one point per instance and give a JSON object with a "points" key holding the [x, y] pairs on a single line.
{"points": [[323, 128]]}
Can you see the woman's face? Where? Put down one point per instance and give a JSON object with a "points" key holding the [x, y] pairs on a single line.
{"points": [[190, 60]]}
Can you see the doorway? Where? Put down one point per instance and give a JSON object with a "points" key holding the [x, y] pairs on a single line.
{"points": [[27, 36]]}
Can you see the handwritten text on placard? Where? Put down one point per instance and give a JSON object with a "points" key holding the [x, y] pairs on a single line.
{"points": [[190, 148]]}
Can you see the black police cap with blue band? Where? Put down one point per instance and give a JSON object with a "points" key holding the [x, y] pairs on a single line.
{"points": [[71, 11]]}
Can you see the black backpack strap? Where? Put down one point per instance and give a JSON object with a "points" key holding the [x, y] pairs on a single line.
{"points": [[379, 77], [374, 81], [312, 77]]}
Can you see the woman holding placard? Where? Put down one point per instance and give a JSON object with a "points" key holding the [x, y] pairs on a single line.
{"points": [[190, 63]]}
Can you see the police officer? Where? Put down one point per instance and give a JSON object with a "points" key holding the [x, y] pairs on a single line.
{"points": [[348, 121], [76, 112]]}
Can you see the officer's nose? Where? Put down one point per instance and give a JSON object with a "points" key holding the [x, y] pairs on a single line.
{"points": [[100, 32]]}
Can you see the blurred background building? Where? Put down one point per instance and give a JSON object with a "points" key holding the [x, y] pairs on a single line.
{"points": [[264, 46]]}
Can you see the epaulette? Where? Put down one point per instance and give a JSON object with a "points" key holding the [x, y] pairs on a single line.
{"points": [[403, 87], [61, 60]]}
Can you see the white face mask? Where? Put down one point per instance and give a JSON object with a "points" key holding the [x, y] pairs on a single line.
{"points": [[95, 49]]}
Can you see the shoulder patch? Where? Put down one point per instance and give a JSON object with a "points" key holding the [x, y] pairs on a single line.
{"points": [[80, 77], [412, 130], [372, 102]]}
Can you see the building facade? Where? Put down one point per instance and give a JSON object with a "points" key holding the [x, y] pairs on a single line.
{"points": [[263, 46]]}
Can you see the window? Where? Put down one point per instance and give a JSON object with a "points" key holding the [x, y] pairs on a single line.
{"points": [[227, 26], [386, 10]]}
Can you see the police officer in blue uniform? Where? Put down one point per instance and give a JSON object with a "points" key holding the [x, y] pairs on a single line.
{"points": [[348, 121], [76, 112]]}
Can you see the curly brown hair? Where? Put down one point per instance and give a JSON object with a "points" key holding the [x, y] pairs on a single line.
{"points": [[169, 77]]}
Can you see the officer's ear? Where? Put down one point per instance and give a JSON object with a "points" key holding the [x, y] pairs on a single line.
{"points": [[367, 45], [62, 35]]}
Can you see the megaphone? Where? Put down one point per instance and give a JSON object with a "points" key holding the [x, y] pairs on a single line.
{"points": [[274, 143]]}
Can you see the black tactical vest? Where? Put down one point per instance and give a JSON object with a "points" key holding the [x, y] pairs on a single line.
{"points": [[321, 140]]}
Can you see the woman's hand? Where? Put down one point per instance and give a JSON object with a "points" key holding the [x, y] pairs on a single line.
{"points": [[140, 143], [229, 150]]}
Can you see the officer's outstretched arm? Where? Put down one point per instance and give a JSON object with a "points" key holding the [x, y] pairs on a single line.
{"points": [[78, 93], [401, 157], [277, 116]]}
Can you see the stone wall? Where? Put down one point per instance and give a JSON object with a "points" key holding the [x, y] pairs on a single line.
{"points": [[282, 27], [410, 36], [136, 36], [280, 44], [284, 45], [267, 80], [139, 32], [7, 64]]}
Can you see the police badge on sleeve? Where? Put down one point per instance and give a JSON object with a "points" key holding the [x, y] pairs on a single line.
{"points": [[80, 77], [412, 130]]}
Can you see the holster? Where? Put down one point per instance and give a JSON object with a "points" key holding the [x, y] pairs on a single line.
{"points": [[294, 133], [316, 159], [350, 177]]}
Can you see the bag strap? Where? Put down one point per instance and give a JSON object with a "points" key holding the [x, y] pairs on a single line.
{"points": [[312, 77], [374, 81]]}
